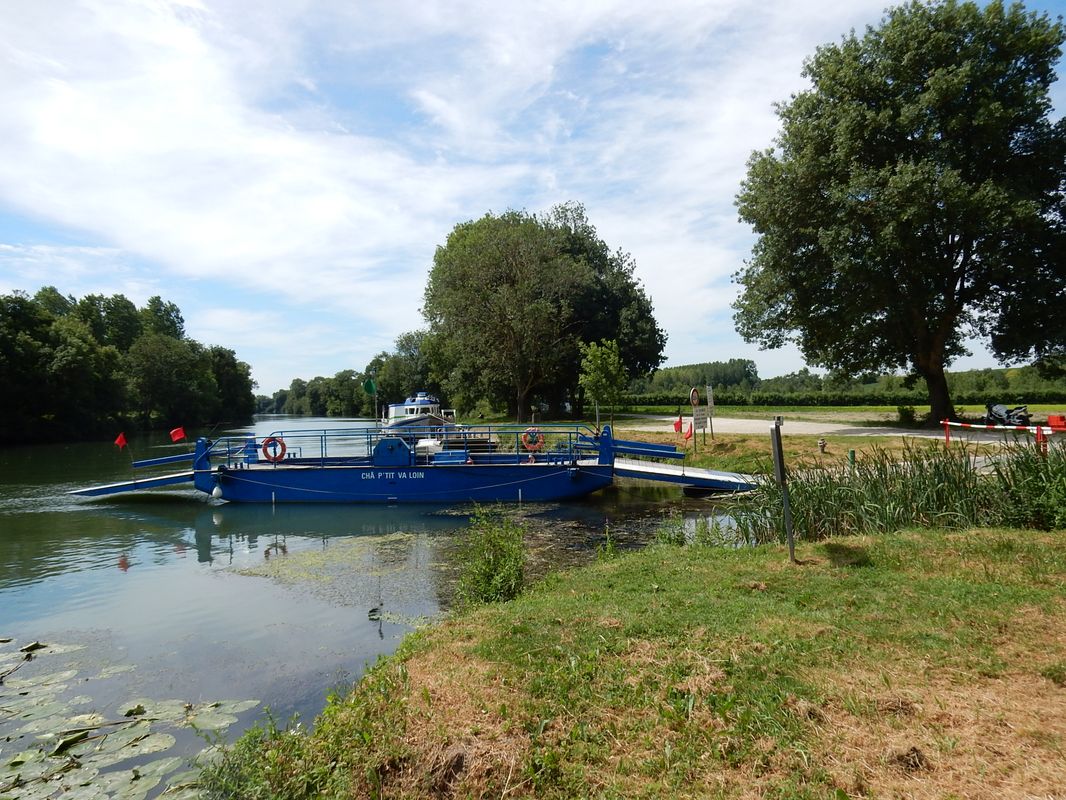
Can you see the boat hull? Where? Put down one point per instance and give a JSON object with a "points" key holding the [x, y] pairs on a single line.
{"points": [[458, 483]]}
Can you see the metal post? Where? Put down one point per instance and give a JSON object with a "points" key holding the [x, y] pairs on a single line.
{"points": [[782, 482]]}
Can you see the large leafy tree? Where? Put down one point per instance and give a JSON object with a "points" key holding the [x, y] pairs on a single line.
{"points": [[510, 299], [914, 198], [500, 295]]}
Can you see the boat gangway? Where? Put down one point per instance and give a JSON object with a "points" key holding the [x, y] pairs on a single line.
{"points": [[689, 477]]}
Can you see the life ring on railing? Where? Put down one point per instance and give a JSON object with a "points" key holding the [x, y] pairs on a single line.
{"points": [[274, 449], [532, 439]]}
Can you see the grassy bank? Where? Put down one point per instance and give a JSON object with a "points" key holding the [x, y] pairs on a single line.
{"points": [[918, 664]]}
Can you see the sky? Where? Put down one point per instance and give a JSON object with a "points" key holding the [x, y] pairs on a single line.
{"points": [[284, 171]]}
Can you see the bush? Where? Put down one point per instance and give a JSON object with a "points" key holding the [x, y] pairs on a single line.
{"points": [[492, 559]]}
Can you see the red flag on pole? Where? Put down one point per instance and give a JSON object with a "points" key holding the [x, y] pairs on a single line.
{"points": [[177, 434], [120, 440], [688, 433], [677, 424]]}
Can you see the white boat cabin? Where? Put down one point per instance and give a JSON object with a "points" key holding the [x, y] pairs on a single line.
{"points": [[421, 409]]}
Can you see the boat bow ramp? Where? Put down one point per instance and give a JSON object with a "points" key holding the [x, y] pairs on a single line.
{"points": [[689, 477], [708, 480]]}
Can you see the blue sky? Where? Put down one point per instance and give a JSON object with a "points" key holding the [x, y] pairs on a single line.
{"points": [[283, 171]]}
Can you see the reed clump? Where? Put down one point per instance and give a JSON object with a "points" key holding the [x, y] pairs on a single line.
{"points": [[925, 486], [492, 559]]}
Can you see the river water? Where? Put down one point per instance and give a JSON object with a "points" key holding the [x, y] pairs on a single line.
{"points": [[168, 595]]}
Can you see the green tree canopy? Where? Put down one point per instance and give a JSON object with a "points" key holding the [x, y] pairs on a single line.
{"points": [[510, 298], [501, 295], [914, 197], [172, 378], [603, 375], [82, 367], [163, 317]]}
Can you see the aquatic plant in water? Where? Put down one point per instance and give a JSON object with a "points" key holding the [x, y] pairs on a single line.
{"points": [[48, 748]]}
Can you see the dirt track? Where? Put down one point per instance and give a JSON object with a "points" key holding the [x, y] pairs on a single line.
{"points": [[820, 427]]}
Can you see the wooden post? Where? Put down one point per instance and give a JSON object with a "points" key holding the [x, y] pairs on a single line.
{"points": [[782, 482]]}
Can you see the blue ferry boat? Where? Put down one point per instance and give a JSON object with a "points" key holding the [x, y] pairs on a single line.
{"points": [[503, 463]]}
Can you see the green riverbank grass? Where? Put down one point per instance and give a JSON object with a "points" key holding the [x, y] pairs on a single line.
{"points": [[918, 664]]}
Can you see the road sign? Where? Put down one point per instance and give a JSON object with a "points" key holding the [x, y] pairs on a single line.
{"points": [[694, 396], [699, 418]]}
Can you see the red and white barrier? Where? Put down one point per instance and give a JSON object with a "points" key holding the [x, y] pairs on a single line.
{"points": [[1040, 431]]}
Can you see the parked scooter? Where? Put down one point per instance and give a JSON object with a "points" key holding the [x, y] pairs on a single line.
{"points": [[1001, 415]]}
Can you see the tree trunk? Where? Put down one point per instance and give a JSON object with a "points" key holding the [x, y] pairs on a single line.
{"points": [[940, 405]]}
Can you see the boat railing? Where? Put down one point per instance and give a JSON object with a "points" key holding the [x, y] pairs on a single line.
{"points": [[483, 443]]}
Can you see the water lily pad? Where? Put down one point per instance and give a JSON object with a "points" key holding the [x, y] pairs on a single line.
{"points": [[53, 680], [168, 710], [210, 720], [91, 720], [236, 706], [217, 716], [47, 719], [68, 741], [134, 784], [58, 649], [183, 786], [26, 766], [152, 743], [113, 670]]}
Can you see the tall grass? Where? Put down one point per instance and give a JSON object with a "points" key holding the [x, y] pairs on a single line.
{"points": [[492, 559], [927, 486]]}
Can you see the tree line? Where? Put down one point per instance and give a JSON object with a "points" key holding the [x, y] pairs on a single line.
{"points": [[79, 368], [974, 388]]}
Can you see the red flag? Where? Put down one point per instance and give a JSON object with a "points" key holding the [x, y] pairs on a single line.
{"points": [[688, 433], [677, 424], [120, 440], [177, 434]]}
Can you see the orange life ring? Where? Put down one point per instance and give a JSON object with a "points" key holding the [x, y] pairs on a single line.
{"points": [[278, 452], [533, 439]]}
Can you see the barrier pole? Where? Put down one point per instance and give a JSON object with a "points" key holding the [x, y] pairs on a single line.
{"points": [[947, 433]]}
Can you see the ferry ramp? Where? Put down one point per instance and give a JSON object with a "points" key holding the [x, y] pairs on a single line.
{"points": [[689, 477]]}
